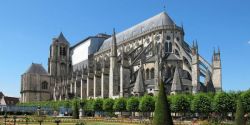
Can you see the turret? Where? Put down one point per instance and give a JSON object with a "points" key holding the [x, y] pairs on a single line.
{"points": [[216, 71], [195, 67], [114, 46]]}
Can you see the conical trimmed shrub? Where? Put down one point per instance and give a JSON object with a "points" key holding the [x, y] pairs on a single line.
{"points": [[162, 113], [239, 117]]}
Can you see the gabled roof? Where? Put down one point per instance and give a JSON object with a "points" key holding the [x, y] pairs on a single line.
{"points": [[160, 19], [36, 69], [11, 100]]}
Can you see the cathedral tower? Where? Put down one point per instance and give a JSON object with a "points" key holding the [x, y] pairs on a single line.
{"points": [[59, 58], [59, 63], [217, 74]]}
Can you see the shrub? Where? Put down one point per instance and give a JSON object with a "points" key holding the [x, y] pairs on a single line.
{"points": [[108, 105], [180, 103], [246, 100], [75, 109], [147, 104], [162, 109], [98, 105], [223, 104], [120, 105], [133, 105], [239, 118], [201, 104]]}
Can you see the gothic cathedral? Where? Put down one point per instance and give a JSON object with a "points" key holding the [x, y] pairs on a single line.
{"points": [[130, 63]]}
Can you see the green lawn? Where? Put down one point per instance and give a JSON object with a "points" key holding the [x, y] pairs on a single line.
{"points": [[88, 123]]}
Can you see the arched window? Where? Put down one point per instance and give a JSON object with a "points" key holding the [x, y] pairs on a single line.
{"points": [[44, 85], [152, 73], [166, 47], [147, 74], [170, 47]]}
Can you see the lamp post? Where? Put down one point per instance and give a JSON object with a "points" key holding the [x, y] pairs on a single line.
{"points": [[5, 117], [14, 117]]}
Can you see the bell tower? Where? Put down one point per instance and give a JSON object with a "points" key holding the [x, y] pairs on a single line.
{"points": [[59, 58]]}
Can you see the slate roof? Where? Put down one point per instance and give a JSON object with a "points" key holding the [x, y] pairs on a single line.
{"points": [[62, 39], [36, 69], [161, 19], [11, 100]]}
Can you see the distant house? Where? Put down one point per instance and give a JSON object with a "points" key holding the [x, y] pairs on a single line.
{"points": [[8, 101]]}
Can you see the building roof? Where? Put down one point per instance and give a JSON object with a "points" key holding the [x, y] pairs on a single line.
{"points": [[1, 95], [100, 36], [11, 100], [172, 57], [36, 69], [139, 86], [62, 39], [176, 84], [160, 19]]}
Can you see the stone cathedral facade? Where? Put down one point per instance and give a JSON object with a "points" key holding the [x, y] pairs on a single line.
{"points": [[130, 63]]}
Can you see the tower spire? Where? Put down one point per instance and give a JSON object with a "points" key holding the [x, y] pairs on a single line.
{"points": [[164, 5]]}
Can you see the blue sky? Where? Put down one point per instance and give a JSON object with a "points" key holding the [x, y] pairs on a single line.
{"points": [[27, 28]]}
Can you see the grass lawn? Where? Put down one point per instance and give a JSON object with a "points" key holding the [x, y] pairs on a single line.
{"points": [[88, 123]]}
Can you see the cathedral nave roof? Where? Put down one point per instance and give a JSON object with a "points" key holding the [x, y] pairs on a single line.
{"points": [[160, 19]]}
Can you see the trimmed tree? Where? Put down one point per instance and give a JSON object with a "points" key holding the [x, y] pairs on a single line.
{"points": [[162, 114], [120, 105], [133, 105], [88, 107], [239, 118], [201, 104], [245, 96], [98, 105], [75, 109], [223, 104], [108, 105], [147, 104], [180, 104]]}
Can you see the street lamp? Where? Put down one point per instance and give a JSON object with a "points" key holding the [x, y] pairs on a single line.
{"points": [[5, 117]]}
